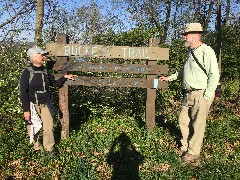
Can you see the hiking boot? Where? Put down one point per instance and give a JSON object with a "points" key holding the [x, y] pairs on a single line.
{"points": [[180, 152], [189, 157], [37, 152], [53, 152]]}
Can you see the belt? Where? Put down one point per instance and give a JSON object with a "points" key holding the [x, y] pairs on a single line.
{"points": [[42, 105], [191, 90]]}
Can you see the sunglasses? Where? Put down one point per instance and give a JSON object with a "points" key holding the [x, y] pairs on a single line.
{"points": [[42, 54]]}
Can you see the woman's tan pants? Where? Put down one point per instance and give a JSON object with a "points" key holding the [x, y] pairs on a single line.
{"points": [[47, 126]]}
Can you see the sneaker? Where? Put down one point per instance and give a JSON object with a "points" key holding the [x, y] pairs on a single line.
{"points": [[189, 157]]}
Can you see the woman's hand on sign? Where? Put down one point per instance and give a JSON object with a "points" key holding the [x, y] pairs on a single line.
{"points": [[70, 76], [162, 78]]}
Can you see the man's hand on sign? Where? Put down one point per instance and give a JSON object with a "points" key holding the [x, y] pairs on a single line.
{"points": [[162, 78]]}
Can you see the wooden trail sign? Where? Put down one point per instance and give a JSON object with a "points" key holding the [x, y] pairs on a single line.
{"points": [[151, 54], [99, 51]]}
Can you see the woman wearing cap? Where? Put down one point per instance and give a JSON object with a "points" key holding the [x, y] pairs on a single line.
{"points": [[35, 97], [200, 76]]}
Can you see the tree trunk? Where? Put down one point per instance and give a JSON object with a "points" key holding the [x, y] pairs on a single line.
{"points": [[208, 15], [93, 21], [227, 13], [39, 22], [219, 33], [53, 33], [167, 22]]}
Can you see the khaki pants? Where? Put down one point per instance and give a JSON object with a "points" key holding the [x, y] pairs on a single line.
{"points": [[47, 125], [192, 120]]}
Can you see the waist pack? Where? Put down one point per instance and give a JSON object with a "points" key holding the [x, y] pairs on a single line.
{"points": [[52, 108]]}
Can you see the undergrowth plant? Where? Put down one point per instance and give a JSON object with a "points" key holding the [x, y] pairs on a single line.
{"points": [[108, 138]]}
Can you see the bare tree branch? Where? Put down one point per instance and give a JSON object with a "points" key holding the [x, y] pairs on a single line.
{"points": [[23, 10]]}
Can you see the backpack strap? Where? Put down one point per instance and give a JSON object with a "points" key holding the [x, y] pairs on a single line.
{"points": [[204, 70], [32, 72]]}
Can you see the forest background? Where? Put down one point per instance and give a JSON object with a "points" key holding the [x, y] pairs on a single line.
{"points": [[103, 118]]}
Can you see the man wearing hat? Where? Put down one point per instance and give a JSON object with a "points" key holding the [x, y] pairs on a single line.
{"points": [[35, 98], [200, 76]]}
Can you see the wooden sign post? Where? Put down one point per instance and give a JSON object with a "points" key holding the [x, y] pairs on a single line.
{"points": [[63, 92], [151, 93], [151, 69]]}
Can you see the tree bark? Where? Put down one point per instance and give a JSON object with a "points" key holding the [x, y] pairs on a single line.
{"points": [[208, 15], [227, 13], [219, 33], [39, 22], [167, 22]]}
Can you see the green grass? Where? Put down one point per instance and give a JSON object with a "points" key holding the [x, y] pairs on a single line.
{"points": [[117, 146]]}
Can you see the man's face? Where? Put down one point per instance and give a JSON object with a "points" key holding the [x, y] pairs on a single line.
{"points": [[189, 39]]}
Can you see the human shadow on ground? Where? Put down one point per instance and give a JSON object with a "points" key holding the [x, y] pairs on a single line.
{"points": [[124, 158]]}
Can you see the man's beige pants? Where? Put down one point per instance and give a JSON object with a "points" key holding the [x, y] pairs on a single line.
{"points": [[47, 125], [192, 120]]}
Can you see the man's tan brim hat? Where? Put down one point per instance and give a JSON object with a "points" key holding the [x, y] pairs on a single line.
{"points": [[193, 28]]}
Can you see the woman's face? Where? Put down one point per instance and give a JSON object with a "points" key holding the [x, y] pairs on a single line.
{"points": [[38, 59]]}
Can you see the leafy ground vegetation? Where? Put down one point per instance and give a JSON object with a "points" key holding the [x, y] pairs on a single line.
{"points": [[108, 145], [108, 138]]}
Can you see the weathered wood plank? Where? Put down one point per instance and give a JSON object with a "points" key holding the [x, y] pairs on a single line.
{"points": [[111, 67], [100, 51], [115, 82]]}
